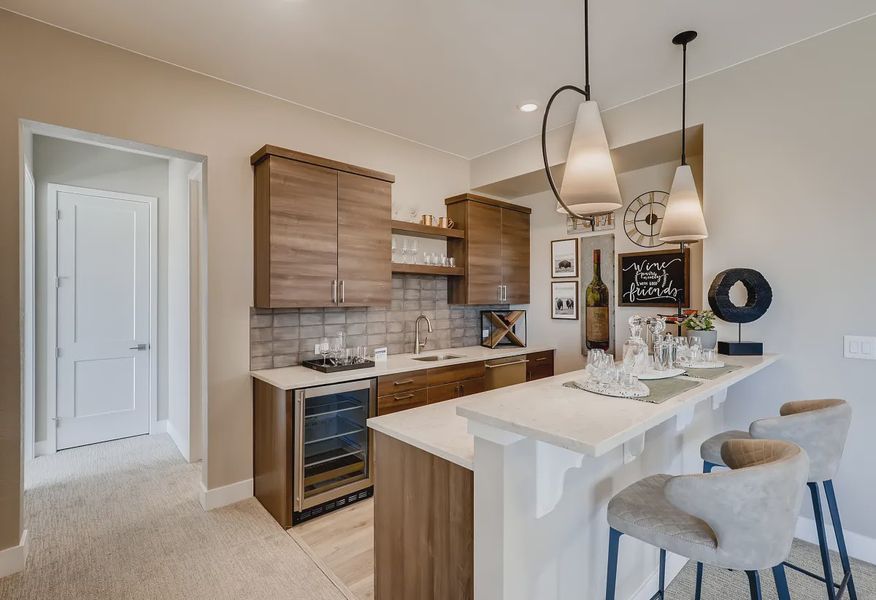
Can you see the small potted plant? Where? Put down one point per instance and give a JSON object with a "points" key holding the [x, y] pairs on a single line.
{"points": [[701, 326]]}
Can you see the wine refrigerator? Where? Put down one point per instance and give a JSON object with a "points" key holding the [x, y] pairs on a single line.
{"points": [[333, 456]]}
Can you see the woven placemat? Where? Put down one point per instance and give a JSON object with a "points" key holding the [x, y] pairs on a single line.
{"points": [[661, 389], [712, 373]]}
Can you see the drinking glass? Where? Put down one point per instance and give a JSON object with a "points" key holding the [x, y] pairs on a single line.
{"points": [[337, 345], [414, 254], [404, 250], [451, 261], [629, 382], [661, 355], [709, 355], [324, 349]]}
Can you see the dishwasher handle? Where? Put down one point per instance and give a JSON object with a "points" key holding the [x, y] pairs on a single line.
{"points": [[507, 364]]}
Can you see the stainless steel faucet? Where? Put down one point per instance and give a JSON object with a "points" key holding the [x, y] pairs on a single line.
{"points": [[417, 344]]}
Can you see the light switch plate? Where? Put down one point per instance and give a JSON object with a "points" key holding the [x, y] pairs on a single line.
{"points": [[859, 346]]}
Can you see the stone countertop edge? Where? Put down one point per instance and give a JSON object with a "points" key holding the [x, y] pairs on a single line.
{"points": [[298, 377], [482, 408]]}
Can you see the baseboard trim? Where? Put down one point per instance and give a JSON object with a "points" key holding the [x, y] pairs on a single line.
{"points": [[674, 565], [156, 427], [859, 546], [42, 448], [14, 559], [225, 495], [177, 438]]}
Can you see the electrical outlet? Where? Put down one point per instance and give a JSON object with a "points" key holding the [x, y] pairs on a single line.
{"points": [[858, 346]]}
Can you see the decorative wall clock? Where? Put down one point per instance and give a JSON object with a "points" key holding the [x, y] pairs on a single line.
{"points": [[643, 218]]}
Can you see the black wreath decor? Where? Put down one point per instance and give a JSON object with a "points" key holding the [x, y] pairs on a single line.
{"points": [[760, 296]]}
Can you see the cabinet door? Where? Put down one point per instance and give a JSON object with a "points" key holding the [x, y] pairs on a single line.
{"points": [[364, 240], [483, 232], [296, 234], [515, 256], [472, 386]]}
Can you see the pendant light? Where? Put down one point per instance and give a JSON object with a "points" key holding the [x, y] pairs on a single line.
{"points": [[683, 221], [589, 183]]}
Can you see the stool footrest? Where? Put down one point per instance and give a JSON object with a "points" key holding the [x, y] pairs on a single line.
{"points": [[841, 587]]}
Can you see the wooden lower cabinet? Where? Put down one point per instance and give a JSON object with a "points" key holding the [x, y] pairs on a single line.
{"points": [[540, 365], [401, 401], [423, 525], [457, 389]]}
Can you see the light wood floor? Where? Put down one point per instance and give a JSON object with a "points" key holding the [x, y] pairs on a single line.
{"points": [[344, 541]]}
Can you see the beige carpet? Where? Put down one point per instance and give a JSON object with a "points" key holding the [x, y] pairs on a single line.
{"points": [[122, 520]]}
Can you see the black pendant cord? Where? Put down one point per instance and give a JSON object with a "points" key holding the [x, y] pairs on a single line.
{"points": [[683, 103]]}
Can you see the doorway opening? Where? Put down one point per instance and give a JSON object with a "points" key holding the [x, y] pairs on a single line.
{"points": [[114, 271]]}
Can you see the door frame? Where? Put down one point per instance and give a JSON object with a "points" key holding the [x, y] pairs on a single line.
{"points": [[51, 246]]}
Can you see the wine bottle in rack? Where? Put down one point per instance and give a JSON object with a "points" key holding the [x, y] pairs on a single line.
{"points": [[596, 302]]}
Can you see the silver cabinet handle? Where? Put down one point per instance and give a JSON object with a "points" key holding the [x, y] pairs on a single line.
{"points": [[343, 290], [404, 382], [139, 347], [334, 291], [500, 293], [504, 293], [405, 397]]}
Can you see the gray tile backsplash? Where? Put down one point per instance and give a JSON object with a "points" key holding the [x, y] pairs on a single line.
{"points": [[285, 336]]}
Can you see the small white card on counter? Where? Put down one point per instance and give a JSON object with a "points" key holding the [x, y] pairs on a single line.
{"points": [[380, 354]]}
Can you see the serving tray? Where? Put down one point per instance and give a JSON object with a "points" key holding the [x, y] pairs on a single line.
{"points": [[317, 365]]}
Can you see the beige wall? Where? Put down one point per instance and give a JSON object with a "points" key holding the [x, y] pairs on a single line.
{"points": [[789, 190], [55, 77]]}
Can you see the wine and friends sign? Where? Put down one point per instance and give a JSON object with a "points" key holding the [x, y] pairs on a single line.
{"points": [[653, 278]]}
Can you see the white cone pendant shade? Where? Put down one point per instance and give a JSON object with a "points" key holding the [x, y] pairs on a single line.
{"points": [[683, 220], [589, 183]]}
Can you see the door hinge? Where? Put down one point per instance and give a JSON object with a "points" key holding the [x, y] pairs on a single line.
{"points": [[58, 215], [57, 353]]}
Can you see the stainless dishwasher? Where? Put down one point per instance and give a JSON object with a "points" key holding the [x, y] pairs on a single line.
{"points": [[501, 372]]}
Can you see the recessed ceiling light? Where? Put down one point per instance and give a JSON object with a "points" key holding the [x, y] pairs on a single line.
{"points": [[528, 107]]}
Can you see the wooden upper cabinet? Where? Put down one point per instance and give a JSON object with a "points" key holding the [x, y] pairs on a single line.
{"points": [[321, 232], [495, 251], [515, 256], [364, 240]]}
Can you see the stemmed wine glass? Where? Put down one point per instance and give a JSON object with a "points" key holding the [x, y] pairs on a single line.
{"points": [[324, 349], [404, 250], [414, 251]]}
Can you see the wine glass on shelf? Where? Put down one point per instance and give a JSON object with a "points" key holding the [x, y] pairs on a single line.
{"points": [[337, 345], [394, 248], [405, 250], [414, 251]]}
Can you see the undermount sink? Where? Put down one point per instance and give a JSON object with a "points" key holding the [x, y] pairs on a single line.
{"points": [[436, 357]]}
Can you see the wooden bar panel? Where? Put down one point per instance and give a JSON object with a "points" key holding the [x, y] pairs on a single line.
{"points": [[423, 525], [440, 393], [472, 386], [272, 450], [515, 256], [540, 365]]}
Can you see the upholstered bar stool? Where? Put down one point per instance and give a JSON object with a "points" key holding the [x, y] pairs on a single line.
{"points": [[741, 519], [820, 427]]}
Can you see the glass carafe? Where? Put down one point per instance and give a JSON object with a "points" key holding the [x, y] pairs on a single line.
{"points": [[635, 352]]}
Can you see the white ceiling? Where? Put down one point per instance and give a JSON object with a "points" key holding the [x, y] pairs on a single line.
{"points": [[446, 73]]}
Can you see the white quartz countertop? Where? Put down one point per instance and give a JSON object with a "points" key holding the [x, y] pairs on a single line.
{"points": [[292, 378], [545, 410]]}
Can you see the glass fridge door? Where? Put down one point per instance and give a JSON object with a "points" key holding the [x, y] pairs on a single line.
{"points": [[333, 441]]}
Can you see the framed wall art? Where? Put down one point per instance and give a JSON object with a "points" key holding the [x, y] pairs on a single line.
{"points": [[564, 258], [564, 300]]}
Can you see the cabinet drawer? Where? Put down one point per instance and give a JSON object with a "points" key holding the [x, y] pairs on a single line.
{"points": [[440, 393], [472, 386], [401, 382], [453, 373], [540, 365], [400, 401]]}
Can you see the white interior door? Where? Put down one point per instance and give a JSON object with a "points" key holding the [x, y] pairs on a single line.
{"points": [[105, 280]]}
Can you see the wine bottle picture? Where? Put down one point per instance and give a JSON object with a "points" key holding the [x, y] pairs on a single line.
{"points": [[596, 313]]}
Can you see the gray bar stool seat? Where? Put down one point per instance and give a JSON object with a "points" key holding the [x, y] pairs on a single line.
{"points": [[820, 427], [741, 519]]}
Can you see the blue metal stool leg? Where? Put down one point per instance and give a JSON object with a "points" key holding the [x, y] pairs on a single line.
{"points": [[754, 585], [611, 579], [781, 582], [707, 466], [822, 540], [662, 583], [848, 581], [699, 580]]}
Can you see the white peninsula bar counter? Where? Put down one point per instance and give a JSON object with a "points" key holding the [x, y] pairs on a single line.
{"points": [[530, 523]]}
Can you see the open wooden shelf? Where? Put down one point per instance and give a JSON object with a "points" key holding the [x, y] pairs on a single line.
{"points": [[427, 269], [430, 231]]}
